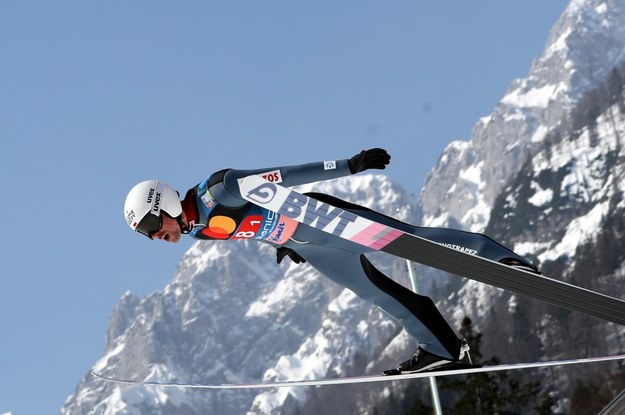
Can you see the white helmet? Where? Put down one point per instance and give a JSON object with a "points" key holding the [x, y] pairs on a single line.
{"points": [[144, 204]]}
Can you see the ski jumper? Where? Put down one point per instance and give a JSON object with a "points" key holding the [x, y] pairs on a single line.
{"points": [[216, 210]]}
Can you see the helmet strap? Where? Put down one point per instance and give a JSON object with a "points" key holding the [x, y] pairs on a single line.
{"points": [[184, 229]]}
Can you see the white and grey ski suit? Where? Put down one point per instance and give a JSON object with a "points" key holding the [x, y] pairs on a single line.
{"points": [[216, 210]]}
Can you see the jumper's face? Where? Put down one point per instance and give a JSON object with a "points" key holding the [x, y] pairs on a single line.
{"points": [[170, 230]]}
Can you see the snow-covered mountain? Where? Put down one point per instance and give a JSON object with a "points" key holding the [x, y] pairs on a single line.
{"points": [[544, 173], [587, 41], [559, 102]]}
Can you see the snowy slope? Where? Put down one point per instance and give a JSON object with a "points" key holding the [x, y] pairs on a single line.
{"points": [[564, 211], [585, 44], [563, 204], [544, 174], [555, 141]]}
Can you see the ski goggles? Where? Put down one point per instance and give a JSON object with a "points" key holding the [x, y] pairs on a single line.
{"points": [[149, 225]]}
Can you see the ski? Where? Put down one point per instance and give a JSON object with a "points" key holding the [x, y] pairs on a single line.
{"points": [[350, 226], [361, 379]]}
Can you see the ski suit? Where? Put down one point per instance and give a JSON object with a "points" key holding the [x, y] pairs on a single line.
{"points": [[215, 209]]}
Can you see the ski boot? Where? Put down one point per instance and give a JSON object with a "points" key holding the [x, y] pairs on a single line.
{"points": [[423, 361]]}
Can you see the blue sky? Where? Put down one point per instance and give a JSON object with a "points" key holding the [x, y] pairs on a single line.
{"points": [[96, 96]]}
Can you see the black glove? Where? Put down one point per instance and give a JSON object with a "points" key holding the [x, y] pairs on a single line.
{"points": [[284, 251], [375, 158]]}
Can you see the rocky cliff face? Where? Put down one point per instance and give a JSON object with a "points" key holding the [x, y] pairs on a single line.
{"points": [[585, 44]]}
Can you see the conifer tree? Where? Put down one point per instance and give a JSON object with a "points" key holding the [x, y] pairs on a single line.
{"points": [[487, 393]]}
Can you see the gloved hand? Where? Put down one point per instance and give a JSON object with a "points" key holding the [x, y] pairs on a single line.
{"points": [[375, 158], [284, 251]]}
